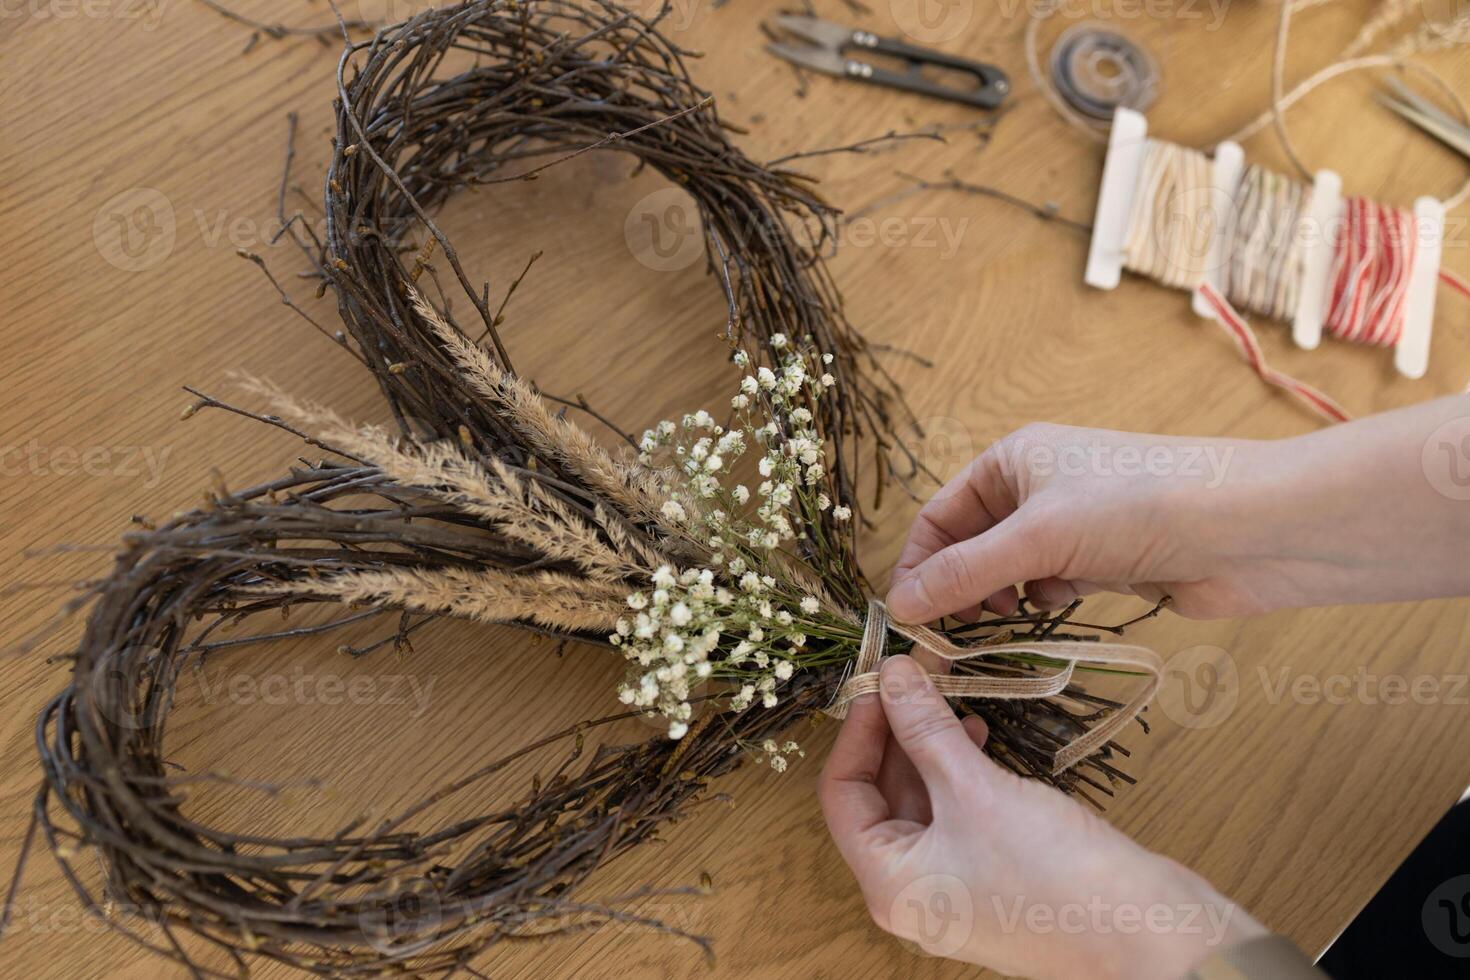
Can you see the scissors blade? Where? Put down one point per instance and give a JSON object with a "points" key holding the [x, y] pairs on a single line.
{"points": [[814, 59], [819, 32], [1452, 134]]}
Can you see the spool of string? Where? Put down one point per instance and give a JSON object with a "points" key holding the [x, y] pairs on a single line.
{"points": [[1176, 210]]}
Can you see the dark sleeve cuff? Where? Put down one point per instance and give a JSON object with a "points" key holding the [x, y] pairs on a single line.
{"points": [[1261, 958]]}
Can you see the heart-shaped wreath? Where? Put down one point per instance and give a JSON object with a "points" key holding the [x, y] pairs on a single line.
{"points": [[490, 504]]}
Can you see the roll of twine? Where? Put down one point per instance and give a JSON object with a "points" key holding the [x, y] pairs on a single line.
{"points": [[1282, 98], [1095, 69], [1177, 210], [1370, 273], [1265, 249]]}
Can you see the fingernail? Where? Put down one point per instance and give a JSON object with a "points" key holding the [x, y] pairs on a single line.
{"points": [[901, 677], [909, 602]]}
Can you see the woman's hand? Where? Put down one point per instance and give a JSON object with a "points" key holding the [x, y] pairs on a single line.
{"points": [[1357, 513], [976, 864]]}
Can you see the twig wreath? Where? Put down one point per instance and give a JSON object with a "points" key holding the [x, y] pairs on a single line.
{"points": [[489, 504]]}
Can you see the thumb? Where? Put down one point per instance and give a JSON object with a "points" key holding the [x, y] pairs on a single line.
{"points": [[962, 575], [925, 726]]}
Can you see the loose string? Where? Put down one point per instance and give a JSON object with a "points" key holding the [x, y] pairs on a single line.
{"points": [[864, 678], [1281, 100], [1240, 331]]}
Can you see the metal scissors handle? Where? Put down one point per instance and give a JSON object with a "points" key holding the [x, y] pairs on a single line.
{"points": [[828, 44]]}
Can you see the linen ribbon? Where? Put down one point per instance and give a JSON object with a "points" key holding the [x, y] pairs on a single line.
{"points": [[863, 678]]}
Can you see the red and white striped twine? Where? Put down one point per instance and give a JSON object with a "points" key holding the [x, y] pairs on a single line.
{"points": [[1373, 259]]}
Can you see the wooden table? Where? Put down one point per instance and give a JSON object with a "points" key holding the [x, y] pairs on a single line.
{"points": [[1295, 806]]}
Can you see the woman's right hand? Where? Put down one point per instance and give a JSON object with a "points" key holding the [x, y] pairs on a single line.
{"points": [[1225, 527]]}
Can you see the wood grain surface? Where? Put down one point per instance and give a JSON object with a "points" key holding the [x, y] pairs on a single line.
{"points": [[140, 147]]}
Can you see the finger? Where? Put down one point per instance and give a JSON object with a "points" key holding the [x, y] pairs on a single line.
{"points": [[925, 727], [977, 729], [1004, 602], [1052, 593], [972, 502], [955, 577], [848, 787], [902, 787]]}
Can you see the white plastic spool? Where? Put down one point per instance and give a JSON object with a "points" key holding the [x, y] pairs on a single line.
{"points": [[1322, 216], [1123, 170]]}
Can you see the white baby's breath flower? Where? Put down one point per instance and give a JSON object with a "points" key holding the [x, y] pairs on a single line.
{"points": [[740, 402], [673, 510], [741, 494], [680, 614], [741, 358], [828, 381], [637, 601], [784, 669], [778, 340], [842, 513], [678, 730], [810, 605], [766, 378]]}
